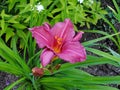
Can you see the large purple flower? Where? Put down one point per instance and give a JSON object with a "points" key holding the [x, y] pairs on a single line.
{"points": [[60, 41]]}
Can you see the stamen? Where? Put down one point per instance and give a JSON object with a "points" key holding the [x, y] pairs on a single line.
{"points": [[57, 44]]}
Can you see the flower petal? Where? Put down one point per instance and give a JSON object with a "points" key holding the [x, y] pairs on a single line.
{"points": [[63, 30], [42, 35], [46, 57], [73, 52], [47, 26], [78, 36]]}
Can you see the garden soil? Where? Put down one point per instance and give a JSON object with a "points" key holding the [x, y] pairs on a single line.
{"points": [[98, 70]]}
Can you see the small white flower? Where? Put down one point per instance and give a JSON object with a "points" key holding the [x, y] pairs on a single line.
{"points": [[38, 7], [91, 1], [80, 1]]}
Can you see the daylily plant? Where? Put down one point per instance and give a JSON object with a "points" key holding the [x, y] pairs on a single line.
{"points": [[59, 41]]}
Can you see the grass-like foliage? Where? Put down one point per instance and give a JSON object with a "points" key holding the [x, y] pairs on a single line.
{"points": [[19, 53]]}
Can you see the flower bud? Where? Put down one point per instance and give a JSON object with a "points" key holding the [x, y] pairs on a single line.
{"points": [[57, 66], [39, 72]]}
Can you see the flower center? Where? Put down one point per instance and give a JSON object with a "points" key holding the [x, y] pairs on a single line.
{"points": [[57, 44]]}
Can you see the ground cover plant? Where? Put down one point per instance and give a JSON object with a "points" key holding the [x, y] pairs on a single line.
{"points": [[40, 43]]}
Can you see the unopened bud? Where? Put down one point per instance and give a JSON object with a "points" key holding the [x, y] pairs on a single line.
{"points": [[38, 71], [57, 66]]}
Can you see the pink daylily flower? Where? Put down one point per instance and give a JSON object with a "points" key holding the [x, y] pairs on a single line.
{"points": [[59, 40]]}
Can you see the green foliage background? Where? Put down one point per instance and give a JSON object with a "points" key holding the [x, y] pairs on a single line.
{"points": [[19, 53]]}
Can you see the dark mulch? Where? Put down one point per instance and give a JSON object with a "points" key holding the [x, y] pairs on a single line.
{"points": [[6, 79], [98, 70], [104, 70], [2, 80]]}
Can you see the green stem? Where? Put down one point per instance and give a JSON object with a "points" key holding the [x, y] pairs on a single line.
{"points": [[33, 83], [113, 28], [30, 60]]}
